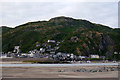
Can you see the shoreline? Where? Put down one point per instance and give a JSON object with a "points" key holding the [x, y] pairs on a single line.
{"points": [[29, 62], [57, 65], [49, 61]]}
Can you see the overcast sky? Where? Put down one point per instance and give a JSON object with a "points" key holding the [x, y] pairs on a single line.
{"points": [[16, 13]]}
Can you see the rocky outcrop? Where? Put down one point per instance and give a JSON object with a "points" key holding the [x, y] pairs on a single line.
{"points": [[93, 70], [106, 45]]}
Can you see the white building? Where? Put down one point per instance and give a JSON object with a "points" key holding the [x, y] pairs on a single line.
{"points": [[52, 41], [115, 52], [37, 45], [52, 52], [34, 55], [42, 50], [17, 49], [4, 56], [24, 54], [31, 55], [59, 53], [94, 56], [82, 57]]}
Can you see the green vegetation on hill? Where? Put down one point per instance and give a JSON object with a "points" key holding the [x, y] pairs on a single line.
{"points": [[77, 36]]}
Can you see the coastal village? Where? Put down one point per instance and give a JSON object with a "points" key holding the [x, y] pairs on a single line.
{"points": [[59, 40], [48, 50]]}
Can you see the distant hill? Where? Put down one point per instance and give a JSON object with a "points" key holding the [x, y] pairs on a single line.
{"points": [[78, 36]]}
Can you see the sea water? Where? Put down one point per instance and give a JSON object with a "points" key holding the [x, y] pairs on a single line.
{"points": [[57, 65]]}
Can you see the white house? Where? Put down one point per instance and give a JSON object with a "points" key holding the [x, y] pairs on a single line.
{"points": [[52, 52], [37, 45], [56, 48], [42, 50], [34, 55], [52, 41], [115, 52], [59, 53], [17, 49], [4, 56], [94, 56], [31, 55], [24, 54], [68, 55], [82, 57]]}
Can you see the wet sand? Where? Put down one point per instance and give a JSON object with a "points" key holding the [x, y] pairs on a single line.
{"points": [[56, 72]]}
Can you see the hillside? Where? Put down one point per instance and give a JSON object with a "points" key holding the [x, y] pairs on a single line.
{"points": [[77, 36]]}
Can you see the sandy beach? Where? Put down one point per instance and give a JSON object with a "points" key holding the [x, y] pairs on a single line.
{"points": [[60, 72]]}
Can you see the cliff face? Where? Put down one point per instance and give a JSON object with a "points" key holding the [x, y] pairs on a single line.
{"points": [[106, 44], [77, 36]]}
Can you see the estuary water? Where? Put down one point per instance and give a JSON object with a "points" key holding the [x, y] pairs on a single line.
{"points": [[57, 65]]}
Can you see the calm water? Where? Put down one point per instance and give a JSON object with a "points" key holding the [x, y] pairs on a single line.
{"points": [[57, 65]]}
